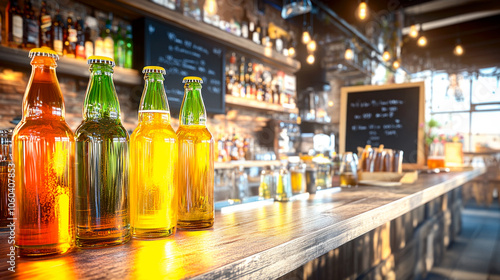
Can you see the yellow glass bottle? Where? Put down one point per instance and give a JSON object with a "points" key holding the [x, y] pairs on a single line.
{"points": [[196, 160], [153, 155]]}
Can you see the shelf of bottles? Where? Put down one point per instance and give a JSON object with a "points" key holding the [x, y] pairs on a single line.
{"points": [[75, 33], [252, 84], [268, 43]]}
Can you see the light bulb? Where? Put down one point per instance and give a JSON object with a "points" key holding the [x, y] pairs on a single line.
{"points": [[306, 37], [459, 50], [422, 41], [310, 59], [362, 11], [413, 31], [291, 52], [349, 54], [396, 64], [311, 46], [386, 56], [210, 7], [330, 103]]}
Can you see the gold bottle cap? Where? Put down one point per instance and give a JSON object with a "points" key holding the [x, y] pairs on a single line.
{"points": [[100, 59], [154, 69], [191, 79], [43, 52]]}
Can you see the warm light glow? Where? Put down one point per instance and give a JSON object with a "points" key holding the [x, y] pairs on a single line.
{"points": [[310, 59], [311, 46], [386, 56], [330, 103], [362, 11], [396, 64], [210, 7], [306, 37], [349, 54], [459, 50], [413, 31], [422, 41], [291, 52]]}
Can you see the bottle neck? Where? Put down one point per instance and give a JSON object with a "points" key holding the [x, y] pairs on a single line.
{"points": [[192, 108], [154, 105], [43, 97], [101, 101]]}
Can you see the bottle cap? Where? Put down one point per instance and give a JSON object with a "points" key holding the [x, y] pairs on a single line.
{"points": [[191, 79], [154, 69], [43, 52], [101, 59]]}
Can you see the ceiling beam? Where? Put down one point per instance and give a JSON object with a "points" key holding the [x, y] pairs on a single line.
{"points": [[454, 20], [435, 6]]}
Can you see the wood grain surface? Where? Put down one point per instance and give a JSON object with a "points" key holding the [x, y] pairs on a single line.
{"points": [[258, 243]]}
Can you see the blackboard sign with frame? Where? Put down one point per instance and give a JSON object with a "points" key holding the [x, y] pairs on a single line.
{"points": [[392, 115], [183, 53]]}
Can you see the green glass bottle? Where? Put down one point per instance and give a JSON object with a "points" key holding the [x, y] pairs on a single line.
{"points": [[196, 160], [119, 48], [128, 47], [153, 163], [102, 204]]}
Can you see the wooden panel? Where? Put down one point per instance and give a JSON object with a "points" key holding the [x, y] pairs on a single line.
{"points": [[258, 243]]}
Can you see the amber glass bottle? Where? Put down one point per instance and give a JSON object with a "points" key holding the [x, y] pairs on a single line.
{"points": [[44, 158], [102, 204], [196, 160], [153, 163]]}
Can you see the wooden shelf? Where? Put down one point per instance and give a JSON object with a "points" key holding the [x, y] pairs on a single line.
{"points": [[255, 104], [246, 164], [148, 8], [68, 66]]}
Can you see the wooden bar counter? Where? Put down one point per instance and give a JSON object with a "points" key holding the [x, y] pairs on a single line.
{"points": [[265, 241]]}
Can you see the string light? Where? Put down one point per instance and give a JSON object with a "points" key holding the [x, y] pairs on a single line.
{"points": [[291, 52], [422, 40], [362, 11], [310, 59], [349, 54], [306, 37]]}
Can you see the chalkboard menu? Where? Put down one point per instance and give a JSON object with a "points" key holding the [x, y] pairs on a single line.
{"points": [[392, 115], [183, 53]]}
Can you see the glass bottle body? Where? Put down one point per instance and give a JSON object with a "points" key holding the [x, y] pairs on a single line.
{"points": [[153, 169], [43, 150], [102, 204], [196, 162]]}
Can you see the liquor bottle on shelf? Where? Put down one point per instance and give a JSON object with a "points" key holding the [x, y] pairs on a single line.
{"points": [[241, 84], [249, 93], [153, 174], [196, 160], [44, 164], [108, 42], [265, 40], [58, 33], [89, 44], [45, 23], [128, 47], [119, 48], [257, 33], [99, 43], [30, 25], [102, 202], [245, 32], [14, 26], [80, 40], [69, 37], [278, 42]]}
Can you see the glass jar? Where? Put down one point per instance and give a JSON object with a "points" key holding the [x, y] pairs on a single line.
{"points": [[298, 174], [240, 185], [349, 170], [323, 175], [267, 187]]}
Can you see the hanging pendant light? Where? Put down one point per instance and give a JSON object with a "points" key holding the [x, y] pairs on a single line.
{"points": [[293, 8], [413, 31], [310, 58], [362, 11], [348, 53], [311, 46], [422, 40], [458, 50], [396, 64], [386, 56]]}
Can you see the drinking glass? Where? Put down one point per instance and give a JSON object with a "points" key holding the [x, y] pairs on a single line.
{"points": [[349, 170]]}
